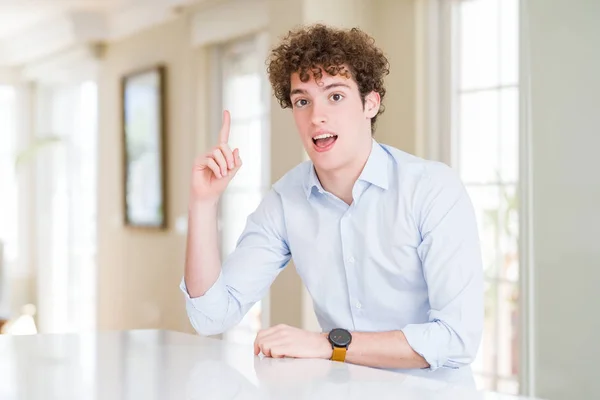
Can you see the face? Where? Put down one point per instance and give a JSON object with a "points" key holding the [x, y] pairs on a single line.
{"points": [[333, 124]]}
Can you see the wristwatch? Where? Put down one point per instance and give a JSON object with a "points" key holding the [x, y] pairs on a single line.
{"points": [[340, 339]]}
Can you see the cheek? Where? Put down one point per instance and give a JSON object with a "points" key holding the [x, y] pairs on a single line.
{"points": [[353, 115], [297, 118], [302, 123]]}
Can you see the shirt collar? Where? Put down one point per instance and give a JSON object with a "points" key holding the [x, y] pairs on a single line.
{"points": [[376, 168], [374, 172]]}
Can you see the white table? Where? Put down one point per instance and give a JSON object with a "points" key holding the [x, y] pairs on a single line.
{"points": [[157, 365]]}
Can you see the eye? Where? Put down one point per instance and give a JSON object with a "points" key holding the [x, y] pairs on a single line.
{"points": [[336, 97], [300, 103]]}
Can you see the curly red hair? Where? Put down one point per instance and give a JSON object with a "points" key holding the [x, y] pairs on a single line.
{"points": [[350, 53]]}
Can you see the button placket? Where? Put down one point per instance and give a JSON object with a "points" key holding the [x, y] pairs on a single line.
{"points": [[349, 261]]}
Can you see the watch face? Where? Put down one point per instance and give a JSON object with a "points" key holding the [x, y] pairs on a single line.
{"points": [[340, 337]]}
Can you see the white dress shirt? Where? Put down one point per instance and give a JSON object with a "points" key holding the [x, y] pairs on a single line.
{"points": [[405, 255]]}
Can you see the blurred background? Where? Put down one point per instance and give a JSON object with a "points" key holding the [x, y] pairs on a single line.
{"points": [[104, 104]]}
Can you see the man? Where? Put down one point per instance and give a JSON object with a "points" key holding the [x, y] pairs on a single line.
{"points": [[385, 242]]}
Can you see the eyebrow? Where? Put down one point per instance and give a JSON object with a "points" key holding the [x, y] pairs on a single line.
{"points": [[324, 88]]}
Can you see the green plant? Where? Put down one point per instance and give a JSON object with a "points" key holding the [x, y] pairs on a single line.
{"points": [[30, 152]]}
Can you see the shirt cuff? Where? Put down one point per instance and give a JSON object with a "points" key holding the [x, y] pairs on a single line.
{"points": [[213, 303], [421, 337]]}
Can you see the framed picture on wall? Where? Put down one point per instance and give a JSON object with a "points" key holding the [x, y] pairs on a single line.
{"points": [[144, 148]]}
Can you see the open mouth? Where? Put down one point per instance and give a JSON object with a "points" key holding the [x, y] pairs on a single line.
{"points": [[324, 142]]}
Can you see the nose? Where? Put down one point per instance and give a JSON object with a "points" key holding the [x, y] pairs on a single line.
{"points": [[318, 116]]}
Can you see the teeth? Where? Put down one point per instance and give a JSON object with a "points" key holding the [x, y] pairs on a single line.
{"points": [[324, 136]]}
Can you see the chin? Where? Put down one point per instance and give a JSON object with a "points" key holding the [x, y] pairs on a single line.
{"points": [[326, 163]]}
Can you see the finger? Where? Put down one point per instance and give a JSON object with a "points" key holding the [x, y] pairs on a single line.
{"points": [[200, 162], [224, 134], [258, 341], [210, 163], [226, 150], [237, 159], [277, 352], [218, 156], [279, 349], [275, 344], [266, 350], [256, 347]]}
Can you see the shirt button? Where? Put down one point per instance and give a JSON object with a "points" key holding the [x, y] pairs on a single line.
{"points": [[351, 260], [358, 305]]}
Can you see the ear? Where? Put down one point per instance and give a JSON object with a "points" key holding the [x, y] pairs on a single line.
{"points": [[372, 103]]}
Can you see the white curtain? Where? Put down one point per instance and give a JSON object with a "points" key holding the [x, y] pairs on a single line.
{"points": [[66, 207]]}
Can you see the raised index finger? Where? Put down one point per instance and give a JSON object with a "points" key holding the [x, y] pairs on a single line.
{"points": [[224, 134]]}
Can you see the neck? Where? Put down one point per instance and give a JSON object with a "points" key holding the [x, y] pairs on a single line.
{"points": [[340, 182]]}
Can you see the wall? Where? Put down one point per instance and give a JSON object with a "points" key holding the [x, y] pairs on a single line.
{"points": [[564, 48], [138, 270], [395, 30]]}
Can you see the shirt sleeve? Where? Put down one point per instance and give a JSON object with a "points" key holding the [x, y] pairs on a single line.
{"points": [[246, 274], [452, 266]]}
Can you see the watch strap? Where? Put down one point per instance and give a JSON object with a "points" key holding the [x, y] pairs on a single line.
{"points": [[339, 354]]}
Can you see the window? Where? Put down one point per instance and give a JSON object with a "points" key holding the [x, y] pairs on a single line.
{"points": [[484, 118], [8, 189], [66, 206], [245, 93]]}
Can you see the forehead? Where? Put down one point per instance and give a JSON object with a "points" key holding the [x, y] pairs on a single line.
{"points": [[325, 80]]}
